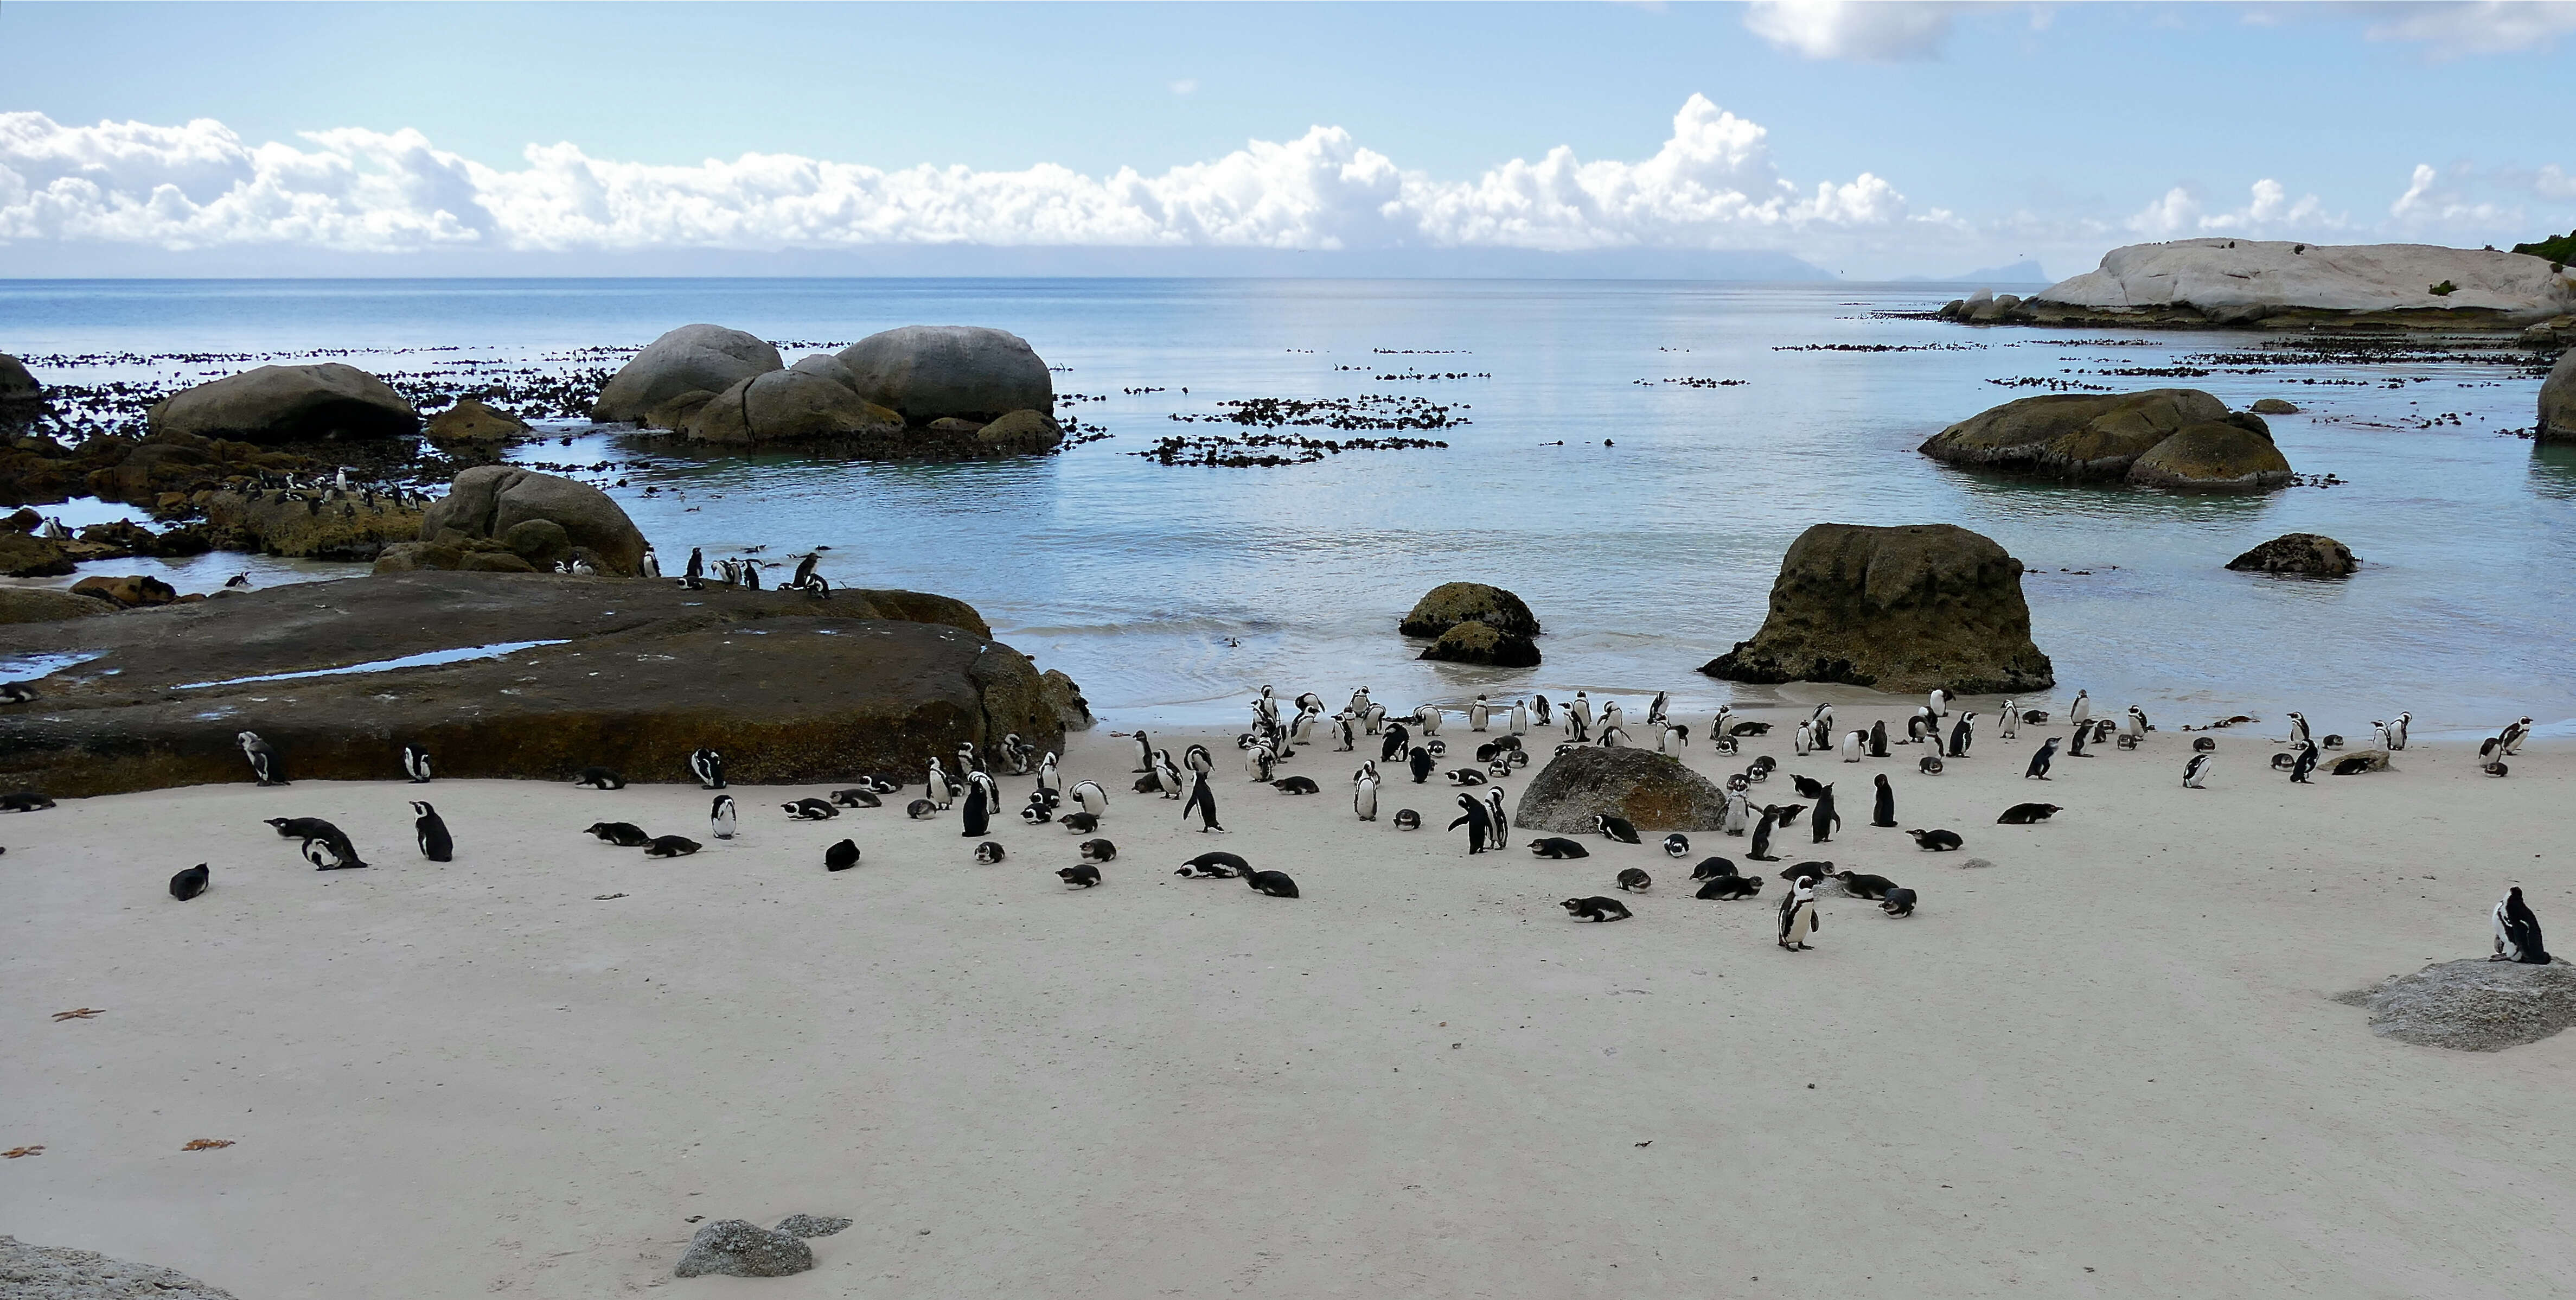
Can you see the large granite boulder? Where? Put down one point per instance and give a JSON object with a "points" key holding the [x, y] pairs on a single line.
{"points": [[925, 372], [1472, 642], [1899, 609], [44, 605], [2314, 555], [1019, 432], [2558, 401], [2230, 455], [133, 591], [2473, 1005], [288, 404], [1452, 603], [20, 394], [703, 358], [490, 500], [737, 1248], [31, 1272], [2276, 284], [473, 427], [798, 406], [2273, 406], [344, 527], [793, 689], [1653, 791], [2073, 435]]}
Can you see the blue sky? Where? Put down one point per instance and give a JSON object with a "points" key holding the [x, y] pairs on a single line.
{"points": [[1943, 137]]}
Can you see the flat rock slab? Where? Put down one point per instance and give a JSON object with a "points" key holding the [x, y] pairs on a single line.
{"points": [[30, 1272], [1652, 791], [2474, 1005], [789, 687]]}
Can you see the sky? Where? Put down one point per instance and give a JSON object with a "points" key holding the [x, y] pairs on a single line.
{"points": [[1866, 140]]}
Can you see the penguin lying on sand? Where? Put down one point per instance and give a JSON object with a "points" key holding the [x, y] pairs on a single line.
{"points": [[625, 835], [1097, 850], [1635, 880], [1553, 847], [671, 846], [841, 856], [1081, 877], [1595, 908], [1725, 887], [1936, 841], [189, 883]]}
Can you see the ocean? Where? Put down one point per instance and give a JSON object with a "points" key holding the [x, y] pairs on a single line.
{"points": [[1643, 518]]}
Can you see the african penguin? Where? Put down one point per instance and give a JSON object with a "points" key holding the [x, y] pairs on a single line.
{"points": [[431, 833], [415, 761]]}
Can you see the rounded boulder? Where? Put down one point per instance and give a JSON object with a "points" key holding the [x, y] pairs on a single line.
{"points": [[924, 372], [2312, 554], [490, 500], [1452, 603], [2558, 401], [288, 404], [790, 406], [1472, 642], [1652, 791], [1904, 608], [2231, 455], [2474, 1005], [471, 424], [710, 358]]}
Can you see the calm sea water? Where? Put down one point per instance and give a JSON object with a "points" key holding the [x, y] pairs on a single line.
{"points": [[1171, 593]]}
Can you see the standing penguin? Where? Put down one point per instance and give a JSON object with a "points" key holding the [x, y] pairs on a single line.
{"points": [[2397, 731], [696, 576], [1578, 719], [1737, 814], [2298, 729], [1047, 778], [721, 817], [1539, 703], [1478, 714], [264, 766], [941, 791], [1393, 746], [1940, 703], [2038, 770], [435, 843], [1961, 734], [2306, 764], [1883, 810], [978, 816], [1088, 796], [2083, 736], [2010, 726], [1878, 739], [2081, 711], [1502, 820], [1364, 797], [1202, 801], [1798, 914], [1761, 851], [2517, 932], [2133, 724], [416, 764], [1655, 710], [708, 766], [652, 564], [1479, 824], [1825, 820], [1422, 765], [1854, 742], [1520, 718], [2196, 771]]}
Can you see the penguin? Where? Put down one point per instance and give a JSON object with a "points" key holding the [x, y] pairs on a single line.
{"points": [[1144, 751], [1720, 888], [1097, 851], [2081, 711], [1739, 812], [2083, 736], [1478, 714], [1595, 908], [841, 856], [695, 576], [1469, 776], [2009, 726], [857, 798], [1676, 845], [435, 843], [625, 835], [1940, 703], [1167, 775], [1824, 821], [1081, 877], [332, 853], [189, 883], [17, 693], [720, 817], [1578, 718], [1883, 810], [598, 778], [1761, 849], [1364, 799], [1613, 718], [1088, 796], [2513, 737], [1502, 825], [988, 852], [2134, 723], [1869, 887], [1854, 743], [1296, 785], [708, 766], [917, 810], [415, 762], [2298, 729], [978, 816], [805, 810], [2028, 814], [1555, 848], [1635, 880], [1540, 704], [1936, 841], [1202, 801], [1343, 739], [1962, 733], [652, 564], [1520, 718], [1407, 819], [1274, 883], [1048, 780], [2397, 731], [1931, 764], [1807, 787], [1800, 740], [1259, 762], [1215, 866], [671, 846], [1427, 717], [264, 766], [2038, 769], [1037, 811], [1713, 868], [2305, 764], [2196, 772], [1478, 821], [1898, 902], [290, 828], [1877, 739], [1421, 764], [1617, 828], [941, 791]]}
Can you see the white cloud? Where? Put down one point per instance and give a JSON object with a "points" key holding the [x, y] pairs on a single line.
{"points": [[2433, 201], [2483, 27], [1186, 86], [1712, 185], [2553, 182], [1876, 31], [2269, 211]]}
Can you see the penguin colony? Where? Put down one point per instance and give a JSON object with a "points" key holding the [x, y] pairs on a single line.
{"points": [[1409, 744]]}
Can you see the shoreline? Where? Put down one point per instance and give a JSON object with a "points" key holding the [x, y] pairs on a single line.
{"points": [[2113, 1044]]}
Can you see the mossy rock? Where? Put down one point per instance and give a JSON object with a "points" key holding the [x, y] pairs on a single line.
{"points": [[1478, 643], [2219, 456], [2312, 554], [1903, 609], [1452, 603], [2072, 435]]}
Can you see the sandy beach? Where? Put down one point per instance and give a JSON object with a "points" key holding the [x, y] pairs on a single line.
{"points": [[2106, 1065]]}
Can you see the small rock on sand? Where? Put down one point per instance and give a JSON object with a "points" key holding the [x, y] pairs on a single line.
{"points": [[736, 1248], [2473, 1005], [811, 1225]]}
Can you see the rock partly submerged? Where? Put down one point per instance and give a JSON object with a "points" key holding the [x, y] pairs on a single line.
{"points": [[1652, 791], [1473, 642], [627, 673], [2473, 1005], [2276, 284], [275, 404], [969, 372], [2312, 555], [2176, 438], [1452, 603], [473, 428], [1904, 608], [701, 358], [2558, 401]]}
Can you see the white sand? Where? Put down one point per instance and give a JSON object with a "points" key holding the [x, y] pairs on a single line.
{"points": [[2106, 1066]]}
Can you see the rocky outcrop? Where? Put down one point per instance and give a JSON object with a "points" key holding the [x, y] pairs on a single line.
{"points": [[1653, 791], [472, 428], [802, 406], [35, 468], [2273, 406], [24, 555], [736, 1248], [1897, 609], [1067, 700], [692, 358], [2272, 284], [1452, 603], [490, 500], [793, 689], [30, 1272], [134, 591], [1472, 642], [2135, 438], [925, 372], [2312, 554], [2473, 1006], [288, 404], [2558, 401], [43, 605], [344, 527], [21, 397]]}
